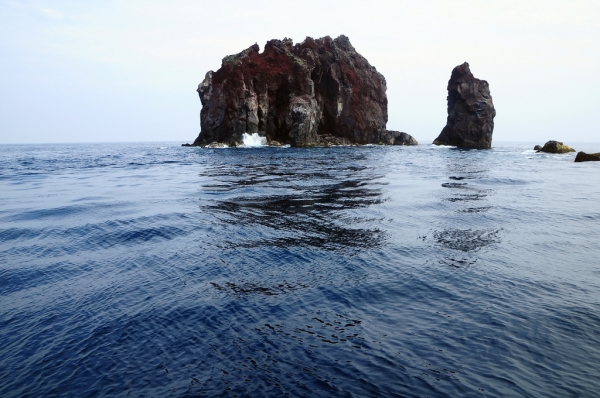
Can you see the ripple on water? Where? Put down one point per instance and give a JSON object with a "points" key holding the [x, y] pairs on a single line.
{"points": [[466, 240]]}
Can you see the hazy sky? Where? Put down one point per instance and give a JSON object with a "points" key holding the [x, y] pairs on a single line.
{"points": [[74, 71]]}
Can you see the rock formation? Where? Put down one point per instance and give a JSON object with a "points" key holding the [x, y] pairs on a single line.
{"points": [[318, 92], [470, 111], [555, 147], [587, 157], [389, 137]]}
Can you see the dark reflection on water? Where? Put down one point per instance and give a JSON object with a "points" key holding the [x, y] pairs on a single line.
{"points": [[475, 209], [312, 210], [455, 185], [466, 240], [466, 197], [466, 166]]}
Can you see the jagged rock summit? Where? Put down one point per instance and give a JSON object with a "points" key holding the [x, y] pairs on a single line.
{"points": [[471, 112], [318, 92]]}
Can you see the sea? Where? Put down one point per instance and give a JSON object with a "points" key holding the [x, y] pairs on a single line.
{"points": [[155, 270]]}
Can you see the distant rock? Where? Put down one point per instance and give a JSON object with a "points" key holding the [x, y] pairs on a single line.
{"points": [[587, 157], [389, 137], [318, 92], [537, 148], [556, 147], [471, 112]]}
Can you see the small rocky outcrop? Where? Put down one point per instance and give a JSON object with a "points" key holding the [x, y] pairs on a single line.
{"points": [[537, 148], [555, 147], [471, 112], [318, 92], [587, 157], [389, 137]]}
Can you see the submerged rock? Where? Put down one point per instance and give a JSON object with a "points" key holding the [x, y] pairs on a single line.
{"points": [[471, 112], [587, 157], [556, 147], [318, 92]]}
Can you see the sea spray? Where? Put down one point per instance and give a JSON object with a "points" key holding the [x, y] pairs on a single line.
{"points": [[253, 140]]}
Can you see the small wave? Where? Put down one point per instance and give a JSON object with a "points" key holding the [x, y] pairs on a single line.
{"points": [[253, 140], [247, 287], [467, 240], [454, 185], [51, 213]]}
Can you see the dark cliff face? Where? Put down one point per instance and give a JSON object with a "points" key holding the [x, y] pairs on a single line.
{"points": [[318, 92], [471, 111]]}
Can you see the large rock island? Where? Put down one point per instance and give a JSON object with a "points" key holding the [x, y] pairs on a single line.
{"points": [[318, 92], [471, 112]]}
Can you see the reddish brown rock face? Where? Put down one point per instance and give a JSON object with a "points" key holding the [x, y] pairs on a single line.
{"points": [[318, 92], [470, 111]]}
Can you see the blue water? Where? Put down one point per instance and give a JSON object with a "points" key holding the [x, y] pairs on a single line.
{"points": [[155, 270]]}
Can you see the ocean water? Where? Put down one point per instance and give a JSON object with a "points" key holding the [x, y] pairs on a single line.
{"points": [[155, 270]]}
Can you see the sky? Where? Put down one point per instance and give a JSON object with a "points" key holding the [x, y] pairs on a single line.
{"points": [[127, 70]]}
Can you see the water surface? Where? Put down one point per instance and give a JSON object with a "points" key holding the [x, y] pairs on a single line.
{"points": [[155, 270]]}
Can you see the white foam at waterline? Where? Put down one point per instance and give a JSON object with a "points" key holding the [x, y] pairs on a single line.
{"points": [[528, 152], [253, 140]]}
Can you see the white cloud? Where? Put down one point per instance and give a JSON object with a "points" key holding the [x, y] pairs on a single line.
{"points": [[54, 14]]}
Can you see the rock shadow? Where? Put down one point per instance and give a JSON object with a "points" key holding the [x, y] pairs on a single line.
{"points": [[297, 208], [470, 231]]}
